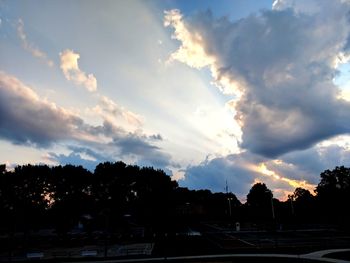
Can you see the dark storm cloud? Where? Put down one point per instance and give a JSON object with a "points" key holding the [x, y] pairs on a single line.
{"points": [[282, 62]]}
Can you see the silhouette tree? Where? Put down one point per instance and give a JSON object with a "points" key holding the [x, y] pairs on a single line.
{"points": [[259, 195], [2, 169], [6, 202], [117, 197], [259, 203], [153, 192], [333, 192], [70, 196], [303, 205], [302, 195], [143, 196], [334, 183], [28, 190]]}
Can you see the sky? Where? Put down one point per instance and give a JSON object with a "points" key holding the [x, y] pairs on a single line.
{"points": [[211, 92]]}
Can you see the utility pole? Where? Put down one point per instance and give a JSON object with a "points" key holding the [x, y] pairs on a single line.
{"points": [[273, 209], [229, 200], [291, 197]]}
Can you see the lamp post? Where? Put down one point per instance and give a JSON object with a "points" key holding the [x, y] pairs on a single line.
{"points": [[229, 205], [291, 199], [229, 199], [272, 207]]}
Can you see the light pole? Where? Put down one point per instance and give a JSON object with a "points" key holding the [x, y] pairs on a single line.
{"points": [[229, 205], [229, 199], [272, 208], [291, 197]]}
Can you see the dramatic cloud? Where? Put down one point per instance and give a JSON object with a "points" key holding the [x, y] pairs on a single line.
{"points": [[280, 64], [36, 52], [28, 120], [72, 72], [309, 163], [292, 170]]}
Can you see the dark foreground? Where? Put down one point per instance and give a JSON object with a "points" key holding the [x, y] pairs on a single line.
{"points": [[192, 246]]}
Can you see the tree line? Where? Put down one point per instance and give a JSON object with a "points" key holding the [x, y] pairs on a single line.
{"points": [[117, 196]]}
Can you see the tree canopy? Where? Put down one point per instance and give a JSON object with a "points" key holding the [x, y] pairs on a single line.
{"points": [[37, 196]]}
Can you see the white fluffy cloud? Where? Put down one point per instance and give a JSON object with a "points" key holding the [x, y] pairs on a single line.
{"points": [[35, 51], [72, 72], [280, 64]]}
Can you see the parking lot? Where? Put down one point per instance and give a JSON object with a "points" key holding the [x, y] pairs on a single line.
{"points": [[209, 240], [281, 239]]}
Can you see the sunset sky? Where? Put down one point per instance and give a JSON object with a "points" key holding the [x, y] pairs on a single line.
{"points": [[241, 91]]}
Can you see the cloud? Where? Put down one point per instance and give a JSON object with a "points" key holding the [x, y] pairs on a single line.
{"points": [[241, 171], [280, 65], [156, 137], [36, 52], [25, 119], [73, 159], [128, 147], [309, 163], [213, 174], [139, 146], [72, 72], [134, 146], [191, 51], [113, 112], [283, 175]]}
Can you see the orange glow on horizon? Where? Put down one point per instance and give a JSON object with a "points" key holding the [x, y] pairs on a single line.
{"points": [[263, 170]]}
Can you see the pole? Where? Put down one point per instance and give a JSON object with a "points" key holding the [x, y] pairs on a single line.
{"points": [[291, 204], [229, 200], [273, 210], [229, 206]]}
